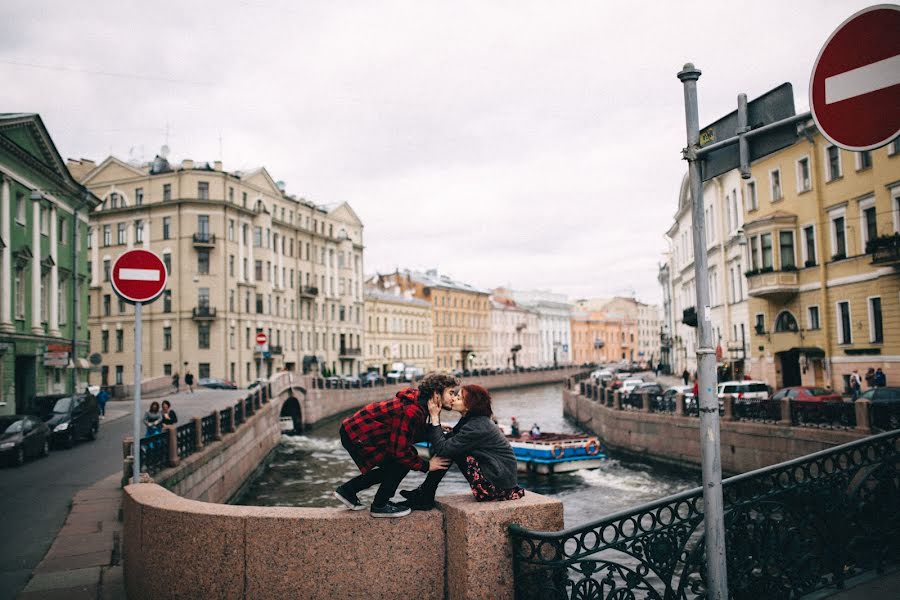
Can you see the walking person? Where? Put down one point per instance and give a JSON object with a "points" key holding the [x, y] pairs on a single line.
{"points": [[189, 381], [855, 384], [380, 439], [175, 379], [102, 399], [685, 376]]}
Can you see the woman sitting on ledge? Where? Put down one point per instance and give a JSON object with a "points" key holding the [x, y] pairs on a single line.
{"points": [[476, 445]]}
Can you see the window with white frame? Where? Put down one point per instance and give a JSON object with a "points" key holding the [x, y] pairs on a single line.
{"points": [[876, 328], [736, 210], [863, 160], [895, 207], [809, 246], [786, 250], [752, 202], [804, 183], [845, 335], [868, 227], [812, 317], [838, 234], [775, 184], [754, 252], [765, 246], [894, 147], [833, 162]]}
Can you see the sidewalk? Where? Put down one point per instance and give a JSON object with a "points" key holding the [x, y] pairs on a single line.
{"points": [[84, 561]]}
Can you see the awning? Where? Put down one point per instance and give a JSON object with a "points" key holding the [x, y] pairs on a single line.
{"points": [[81, 363], [809, 351]]}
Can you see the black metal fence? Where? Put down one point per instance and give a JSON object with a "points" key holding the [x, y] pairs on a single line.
{"points": [[791, 529], [225, 421], [155, 452], [186, 439], [208, 428]]}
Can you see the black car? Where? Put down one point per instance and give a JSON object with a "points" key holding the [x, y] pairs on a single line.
{"points": [[21, 437], [74, 417], [214, 383], [636, 397], [885, 407]]}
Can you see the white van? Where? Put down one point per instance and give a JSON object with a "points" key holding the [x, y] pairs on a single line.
{"points": [[744, 391]]}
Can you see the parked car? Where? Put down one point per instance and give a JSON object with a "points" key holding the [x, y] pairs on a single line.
{"points": [[396, 376], [807, 394], [214, 383], [629, 384], [372, 378], [74, 417], [743, 391], [21, 437], [636, 396], [885, 407], [352, 380], [668, 397], [255, 384]]}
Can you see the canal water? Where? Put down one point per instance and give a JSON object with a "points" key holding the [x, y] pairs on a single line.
{"points": [[304, 470]]}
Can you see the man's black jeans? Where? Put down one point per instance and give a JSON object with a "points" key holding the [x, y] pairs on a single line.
{"points": [[388, 474]]}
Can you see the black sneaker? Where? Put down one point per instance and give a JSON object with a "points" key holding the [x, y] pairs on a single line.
{"points": [[348, 498], [390, 510], [414, 495], [416, 504]]}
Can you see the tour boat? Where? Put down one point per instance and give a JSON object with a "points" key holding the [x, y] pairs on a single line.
{"points": [[551, 452]]}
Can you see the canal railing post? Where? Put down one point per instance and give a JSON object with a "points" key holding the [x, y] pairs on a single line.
{"points": [[710, 447], [198, 432], [617, 400], [863, 416], [645, 402], [728, 403], [679, 404], [217, 419]]}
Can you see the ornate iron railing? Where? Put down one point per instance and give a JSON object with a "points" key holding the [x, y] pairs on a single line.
{"points": [[225, 421], [832, 415], [208, 428], [885, 416], [186, 439], [763, 411], [155, 452], [238, 413], [791, 528]]}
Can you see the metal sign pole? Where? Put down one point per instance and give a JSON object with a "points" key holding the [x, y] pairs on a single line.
{"points": [[713, 506], [136, 450]]}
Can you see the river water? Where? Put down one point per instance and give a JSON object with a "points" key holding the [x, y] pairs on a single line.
{"points": [[304, 470]]}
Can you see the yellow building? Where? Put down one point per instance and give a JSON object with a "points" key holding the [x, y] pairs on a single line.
{"points": [[601, 338], [398, 329], [243, 257], [821, 230], [461, 313]]}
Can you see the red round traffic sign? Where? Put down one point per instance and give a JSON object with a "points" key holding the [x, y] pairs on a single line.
{"points": [[854, 90], [261, 338], [139, 276]]}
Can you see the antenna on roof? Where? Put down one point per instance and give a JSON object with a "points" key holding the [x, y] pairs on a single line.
{"points": [[164, 151]]}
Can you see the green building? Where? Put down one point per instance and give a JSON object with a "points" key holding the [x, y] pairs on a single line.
{"points": [[43, 268]]}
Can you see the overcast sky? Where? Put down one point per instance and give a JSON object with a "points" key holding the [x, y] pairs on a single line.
{"points": [[531, 144]]}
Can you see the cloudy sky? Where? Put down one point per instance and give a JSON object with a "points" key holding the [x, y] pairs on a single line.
{"points": [[531, 144]]}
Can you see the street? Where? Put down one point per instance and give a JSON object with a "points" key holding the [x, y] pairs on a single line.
{"points": [[36, 496]]}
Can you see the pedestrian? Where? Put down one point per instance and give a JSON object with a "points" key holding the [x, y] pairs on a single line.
{"points": [[380, 439], [656, 369], [685, 376], [514, 428], [153, 420], [169, 418], [855, 384], [535, 431], [870, 378], [175, 379], [189, 381], [102, 399], [880, 378]]}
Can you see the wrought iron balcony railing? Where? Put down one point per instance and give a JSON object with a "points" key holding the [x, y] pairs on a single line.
{"points": [[308, 291], [203, 313], [791, 529], [884, 250], [276, 350], [204, 239], [351, 351]]}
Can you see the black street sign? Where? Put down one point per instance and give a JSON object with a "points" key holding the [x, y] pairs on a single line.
{"points": [[773, 106]]}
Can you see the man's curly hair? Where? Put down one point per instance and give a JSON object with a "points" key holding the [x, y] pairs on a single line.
{"points": [[436, 381]]}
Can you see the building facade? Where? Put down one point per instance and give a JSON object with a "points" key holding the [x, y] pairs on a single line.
{"points": [[243, 256], [554, 324], [461, 316], [398, 329], [823, 252], [597, 338], [515, 335], [667, 324], [43, 268]]}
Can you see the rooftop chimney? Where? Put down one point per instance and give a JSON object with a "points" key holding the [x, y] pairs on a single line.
{"points": [[217, 165], [187, 163]]}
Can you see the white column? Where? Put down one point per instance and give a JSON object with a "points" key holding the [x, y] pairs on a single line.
{"points": [[6, 288], [130, 235], [53, 317], [36, 267], [251, 266], [240, 232]]}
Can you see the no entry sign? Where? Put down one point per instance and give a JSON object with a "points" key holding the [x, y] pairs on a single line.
{"points": [[854, 90], [139, 276], [261, 339]]}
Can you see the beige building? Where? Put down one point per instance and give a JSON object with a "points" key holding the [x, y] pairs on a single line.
{"points": [[398, 329], [618, 323], [822, 229], [461, 313], [515, 336], [243, 257]]}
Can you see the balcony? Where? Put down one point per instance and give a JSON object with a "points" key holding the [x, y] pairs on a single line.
{"points": [[204, 239], [203, 313], [350, 352], [774, 285], [276, 350], [885, 250], [308, 291], [689, 316]]}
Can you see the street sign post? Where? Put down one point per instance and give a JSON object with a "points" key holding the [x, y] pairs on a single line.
{"points": [[854, 88], [138, 277], [261, 340]]}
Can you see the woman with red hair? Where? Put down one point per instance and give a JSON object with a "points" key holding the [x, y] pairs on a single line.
{"points": [[476, 445]]}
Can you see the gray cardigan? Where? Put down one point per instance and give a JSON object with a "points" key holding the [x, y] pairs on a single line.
{"points": [[481, 438]]}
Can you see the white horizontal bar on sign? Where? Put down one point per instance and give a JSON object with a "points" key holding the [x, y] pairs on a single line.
{"points": [[139, 274], [863, 80]]}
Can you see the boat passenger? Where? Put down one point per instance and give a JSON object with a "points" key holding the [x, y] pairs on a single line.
{"points": [[514, 428], [535, 431], [476, 445]]}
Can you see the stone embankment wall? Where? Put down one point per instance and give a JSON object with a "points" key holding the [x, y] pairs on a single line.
{"points": [[179, 548], [675, 439]]}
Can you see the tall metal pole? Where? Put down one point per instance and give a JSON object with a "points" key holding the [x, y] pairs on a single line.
{"points": [[136, 451], [713, 506], [74, 318]]}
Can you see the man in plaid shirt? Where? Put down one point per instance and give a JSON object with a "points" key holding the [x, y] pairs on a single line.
{"points": [[380, 438]]}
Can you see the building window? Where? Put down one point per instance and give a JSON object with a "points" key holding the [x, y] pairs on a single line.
{"points": [[760, 326], [257, 237], [167, 261], [804, 183], [231, 300], [20, 208], [104, 341], [114, 200], [869, 229], [766, 247], [876, 331], [167, 369], [90, 237], [812, 317], [107, 269], [230, 230], [139, 231], [138, 196], [167, 301], [833, 162], [167, 338], [203, 190], [121, 306], [257, 271], [809, 238], [120, 374], [839, 238], [775, 182], [203, 298], [107, 305], [894, 147], [844, 333], [120, 233], [202, 370], [61, 229], [20, 293], [259, 304], [107, 235], [786, 243], [167, 228], [231, 265], [863, 160], [120, 340], [754, 253], [167, 192], [203, 261], [203, 227], [203, 335]]}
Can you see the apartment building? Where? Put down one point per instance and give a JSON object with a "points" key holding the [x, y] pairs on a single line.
{"points": [[554, 323], [461, 316], [823, 245], [243, 257], [43, 269], [515, 335], [398, 329]]}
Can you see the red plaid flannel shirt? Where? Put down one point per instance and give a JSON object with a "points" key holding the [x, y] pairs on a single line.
{"points": [[388, 429]]}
